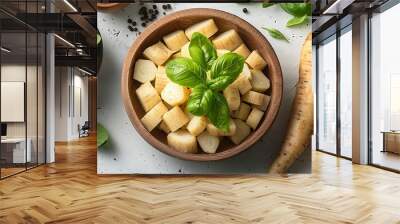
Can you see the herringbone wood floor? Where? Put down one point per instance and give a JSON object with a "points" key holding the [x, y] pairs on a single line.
{"points": [[69, 191]]}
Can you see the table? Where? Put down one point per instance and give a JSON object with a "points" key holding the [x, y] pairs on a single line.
{"points": [[13, 150], [391, 141]]}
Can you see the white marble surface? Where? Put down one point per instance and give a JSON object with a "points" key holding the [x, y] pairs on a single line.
{"points": [[128, 153]]}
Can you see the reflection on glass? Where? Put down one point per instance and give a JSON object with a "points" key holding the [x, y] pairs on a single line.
{"points": [[15, 150], [346, 93], [385, 84], [327, 96]]}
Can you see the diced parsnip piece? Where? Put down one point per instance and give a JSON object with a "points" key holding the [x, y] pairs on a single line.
{"points": [[256, 61], [152, 118], [232, 96], [254, 97], [163, 127], [158, 53], [175, 40], [254, 118], [197, 125], [161, 79], [147, 96], [264, 104], [212, 130], [177, 55], [221, 52], [182, 141], [185, 51], [206, 27], [144, 71], [243, 112], [242, 82], [242, 131], [229, 40], [246, 72], [242, 50], [175, 94], [259, 81], [207, 142], [175, 118]]}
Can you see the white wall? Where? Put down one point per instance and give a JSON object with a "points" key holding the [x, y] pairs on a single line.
{"points": [[70, 83]]}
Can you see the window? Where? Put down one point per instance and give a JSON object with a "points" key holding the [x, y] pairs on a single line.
{"points": [[326, 116], [385, 89], [346, 92]]}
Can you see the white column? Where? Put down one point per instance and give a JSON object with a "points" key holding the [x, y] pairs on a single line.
{"points": [[360, 90]]}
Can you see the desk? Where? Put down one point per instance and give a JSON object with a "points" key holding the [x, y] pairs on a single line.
{"points": [[13, 150], [391, 141]]}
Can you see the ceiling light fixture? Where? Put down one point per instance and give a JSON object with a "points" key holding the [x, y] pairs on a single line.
{"points": [[84, 71], [5, 50], [338, 6], [65, 41], [70, 5]]}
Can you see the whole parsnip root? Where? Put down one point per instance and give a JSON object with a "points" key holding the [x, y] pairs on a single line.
{"points": [[298, 136]]}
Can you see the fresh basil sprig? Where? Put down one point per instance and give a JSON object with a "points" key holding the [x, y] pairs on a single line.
{"points": [[205, 98]]}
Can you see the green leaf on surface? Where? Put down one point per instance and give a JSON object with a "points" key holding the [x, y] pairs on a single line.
{"points": [[267, 4], [185, 72], [297, 9], [202, 50], [102, 135], [295, 21], [276, 34]]}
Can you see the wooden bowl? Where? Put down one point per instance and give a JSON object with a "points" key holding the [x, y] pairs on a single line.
{"points": [[111, 6], [181, 20]]}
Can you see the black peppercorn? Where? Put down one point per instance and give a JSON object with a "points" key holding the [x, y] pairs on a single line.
{"points": [[135, 29], [169, 6], [164, 6], [134, 23], [131, 28], [129, 21], [156, 12], [245, 10], [164, 13], [144, 24], [142, 10], [154, 7]]}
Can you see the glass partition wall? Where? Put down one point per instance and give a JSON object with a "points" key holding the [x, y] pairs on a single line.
{"points": [[22, 77], [385, 89], [334, 94]]}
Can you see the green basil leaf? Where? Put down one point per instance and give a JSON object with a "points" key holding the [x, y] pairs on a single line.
{"points": [[295, 21], [185, 72], [276, 34], [102, 135], [297, 9], [199, 101], [218, 113], [267, 4], [219, 83], [202, 50], [225, 70]]}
